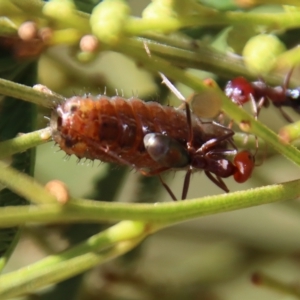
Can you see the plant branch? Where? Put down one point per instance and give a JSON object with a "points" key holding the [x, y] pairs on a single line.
{"points": [[99, 248], [20, 91], [24, 185], [162, 214], [24, 142]]}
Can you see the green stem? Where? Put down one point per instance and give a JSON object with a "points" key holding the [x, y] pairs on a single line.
{"points": [[290, 132], [279, 21], [7, 27], [288, 59], [162, 214], [24, 185], [187, 53], [20, 91], [67, 17], [100, 248], [279, 2], [33, 6], [137, 26], [202, 57], [24, 142], [274, 284], [6, 256]]}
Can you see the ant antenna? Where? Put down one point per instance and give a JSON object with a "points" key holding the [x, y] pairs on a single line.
{"points": [[175, 91], [147, 49], [287, 79], [171, 87]]}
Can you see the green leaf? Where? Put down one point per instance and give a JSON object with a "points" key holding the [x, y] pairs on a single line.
{"points": [[15, 117]]}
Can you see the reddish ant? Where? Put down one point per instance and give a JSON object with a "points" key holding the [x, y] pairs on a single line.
{"points": [[150, 137], [240, 91]]}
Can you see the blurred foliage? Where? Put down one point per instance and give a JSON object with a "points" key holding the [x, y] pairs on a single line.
{"points": [[16, 117]]}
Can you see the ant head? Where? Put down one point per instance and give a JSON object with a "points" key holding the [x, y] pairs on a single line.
{"points": [[244, 162], [239, 90]]}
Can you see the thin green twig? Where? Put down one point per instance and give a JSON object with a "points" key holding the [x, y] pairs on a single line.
{"points": [[23, 92], [99, 248], [24, 142], [24, 185], [137, 26], [161, 214]]}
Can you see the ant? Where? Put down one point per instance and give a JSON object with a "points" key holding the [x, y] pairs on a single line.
{"points": [[150, 137], [209, 157], [240, 91]]}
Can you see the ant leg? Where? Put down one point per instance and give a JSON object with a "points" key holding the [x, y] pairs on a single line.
{"points": [[186, 183], [285, 115], [145, 173], [213, 142], [157, 172], [217, 181], [167, 188], [225, 133], [220, 152]]}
